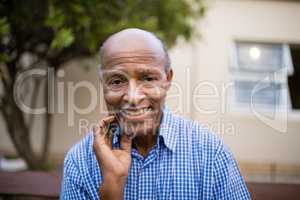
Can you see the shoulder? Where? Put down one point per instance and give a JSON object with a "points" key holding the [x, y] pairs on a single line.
{"points": [[81, 149], [198, 132], [197, 135], [80, 176], [206, 147], [77, 158]]}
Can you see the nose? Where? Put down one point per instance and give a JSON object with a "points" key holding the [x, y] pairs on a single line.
{"points": [[134, 94]]}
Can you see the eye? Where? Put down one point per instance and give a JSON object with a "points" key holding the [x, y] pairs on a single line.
{"points": [[115, 82]]}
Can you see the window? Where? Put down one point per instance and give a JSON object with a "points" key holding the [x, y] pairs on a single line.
{"points": [[268, 95], [260, 72]]}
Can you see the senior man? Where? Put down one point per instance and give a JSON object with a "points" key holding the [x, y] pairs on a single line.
{"points": [[150, 153]]}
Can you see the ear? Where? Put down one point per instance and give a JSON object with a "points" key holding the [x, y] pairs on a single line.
{"points": [[169, 77]]}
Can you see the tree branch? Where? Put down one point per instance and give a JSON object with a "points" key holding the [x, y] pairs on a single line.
{"points": [[34, 100], [47, 129]]}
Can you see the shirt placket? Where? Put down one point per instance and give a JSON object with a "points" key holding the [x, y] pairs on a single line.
{"points": [[146, 176]]}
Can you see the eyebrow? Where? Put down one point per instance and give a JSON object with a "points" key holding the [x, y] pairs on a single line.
{"points": [[112, 73], [140, 71], [149, 71]]}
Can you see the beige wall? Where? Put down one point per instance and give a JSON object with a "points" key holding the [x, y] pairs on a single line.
{"points": [[275, 21], [250, 139]]}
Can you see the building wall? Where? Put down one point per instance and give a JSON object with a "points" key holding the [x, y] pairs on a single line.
{"points": [[250, 138]]}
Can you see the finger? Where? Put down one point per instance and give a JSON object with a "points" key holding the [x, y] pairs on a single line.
{"points": [[126, 143], [99, 138], [101, 134], [101, 127], [108, 137], [103, 150], [109, 119], [109, 140], [96, 130], [105, 156]]}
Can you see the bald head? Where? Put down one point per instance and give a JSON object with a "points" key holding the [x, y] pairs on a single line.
{"points": [[129, 41]]}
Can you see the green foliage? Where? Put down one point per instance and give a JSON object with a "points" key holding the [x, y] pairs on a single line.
{"points": [[4, 31], [53, 32], [4, 27], [63, 38], [80, 26]]}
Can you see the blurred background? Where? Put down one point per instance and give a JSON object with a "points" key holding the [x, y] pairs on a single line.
{"points": [[236, 66]]}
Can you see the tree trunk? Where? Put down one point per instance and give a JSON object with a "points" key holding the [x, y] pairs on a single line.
{"points": [[19, 134], [19, 131], [47, 128]]}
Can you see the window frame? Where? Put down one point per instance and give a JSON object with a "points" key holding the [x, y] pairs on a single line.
{"points": [[278, 77]]}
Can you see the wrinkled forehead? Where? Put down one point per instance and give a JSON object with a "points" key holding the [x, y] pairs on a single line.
{"points": [[132, 49], [140, 58]]}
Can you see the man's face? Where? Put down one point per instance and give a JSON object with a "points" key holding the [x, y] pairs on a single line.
{"points": [[135, 87]]}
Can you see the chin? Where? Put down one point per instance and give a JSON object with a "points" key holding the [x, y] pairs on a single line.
{"points": [[138, 129]]}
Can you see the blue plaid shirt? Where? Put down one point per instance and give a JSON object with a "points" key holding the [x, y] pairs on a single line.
{"points": [[188, 162]]}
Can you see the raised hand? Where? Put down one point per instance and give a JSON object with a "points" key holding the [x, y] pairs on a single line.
{"points": [[114, 163]]}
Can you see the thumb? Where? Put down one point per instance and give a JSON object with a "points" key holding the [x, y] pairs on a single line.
{"points": [[125, 143]]}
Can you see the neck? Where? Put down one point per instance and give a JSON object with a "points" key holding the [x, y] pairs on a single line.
{"points": [[145, 143]]}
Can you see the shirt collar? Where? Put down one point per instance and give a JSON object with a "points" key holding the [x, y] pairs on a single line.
{"points": [[167, 131]]}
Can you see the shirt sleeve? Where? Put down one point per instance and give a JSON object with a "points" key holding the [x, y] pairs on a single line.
{"points": [[228, 182], [72, 182]]}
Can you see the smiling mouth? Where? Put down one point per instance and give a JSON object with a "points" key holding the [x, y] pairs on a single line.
{"points": [[136, 111]]}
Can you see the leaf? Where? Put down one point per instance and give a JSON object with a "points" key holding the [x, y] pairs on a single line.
{"points": [[3, 57], [77, 8], [4, 27], [63, 38], [56, 19]]}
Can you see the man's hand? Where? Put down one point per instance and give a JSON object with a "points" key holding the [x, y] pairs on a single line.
{"points": [[114, 163]]}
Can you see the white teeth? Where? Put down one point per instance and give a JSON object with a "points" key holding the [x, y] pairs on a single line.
{"points": [[137, 112]]}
